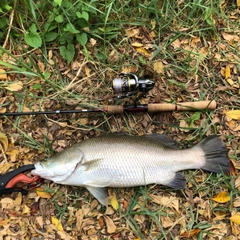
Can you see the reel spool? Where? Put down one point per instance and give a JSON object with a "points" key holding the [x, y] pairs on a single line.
{"points": [[128, 84]]}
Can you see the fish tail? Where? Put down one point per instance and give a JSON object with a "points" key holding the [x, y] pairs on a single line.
{"points": [[216, 155]]}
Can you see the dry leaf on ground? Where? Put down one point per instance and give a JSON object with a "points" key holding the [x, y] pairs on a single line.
{"points": [[57, 224], [235, 219], [158, 67], [221, 197], [190, 234], [4, 141], [114, 203], [111, 227], [234, 114], [3, 75], [43, 193]]}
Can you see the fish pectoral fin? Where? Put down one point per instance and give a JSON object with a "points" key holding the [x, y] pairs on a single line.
{"points": [[100, 194], [89, 164], [178, 181]]}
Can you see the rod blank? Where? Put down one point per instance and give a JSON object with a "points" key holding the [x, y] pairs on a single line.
{"points": [[119, 109]]}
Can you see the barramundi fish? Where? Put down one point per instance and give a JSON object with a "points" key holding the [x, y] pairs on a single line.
{"points": [[126, 161]]}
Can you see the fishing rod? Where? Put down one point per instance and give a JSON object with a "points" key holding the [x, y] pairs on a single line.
{"points": [[128, 84]]}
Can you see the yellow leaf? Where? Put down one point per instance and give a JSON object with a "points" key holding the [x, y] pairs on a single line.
{"points": [[62, 124], [137, 44], [114, 203], [14, 86], [190, 234], [3, 110], [4, 222], [158, 67], [4, 166], [4, 141], [3, 74], [227, 72], [26, 209], [234, 114], [42, 193], [12, 151], [230, 81], [238, 3], [143, 51], [235, 219], [221, 197], [57, 224], [18, 199]]}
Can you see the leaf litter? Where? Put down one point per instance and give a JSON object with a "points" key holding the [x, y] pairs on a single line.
{"points": [[69, 212]]}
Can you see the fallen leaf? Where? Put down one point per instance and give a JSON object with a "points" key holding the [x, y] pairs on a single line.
{"points": [[230, 37], [7, 203], [176, 44], [219, 215], [143, 51], [4, 166], [221, 197], [79, 216], [184, 126], [190, 234], [171, 202], [14, 86], [137, 44], [57, 224], [111, 227], [12, 150], [4, 222], [166, 222], [101, 222], [18, 199], [26, 209], [3, 74], [114, 203], [234, 114], [158, 67], [227, 72], [230, 81], [131, 32], [62, 124], [4, 141], [43, 193], [235, 219], [39, 220]]}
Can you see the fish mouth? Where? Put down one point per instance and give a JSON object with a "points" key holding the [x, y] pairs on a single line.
{"points": [[45, 172], [41, 171]]}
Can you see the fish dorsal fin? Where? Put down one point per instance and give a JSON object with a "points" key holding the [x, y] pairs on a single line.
{"points": [[164, 140], [100, 194]]}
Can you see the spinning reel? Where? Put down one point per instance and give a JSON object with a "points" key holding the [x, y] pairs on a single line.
{"points": [[128, 84]]}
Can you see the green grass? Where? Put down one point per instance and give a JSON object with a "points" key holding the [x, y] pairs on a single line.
{"points": [[45, 40]]}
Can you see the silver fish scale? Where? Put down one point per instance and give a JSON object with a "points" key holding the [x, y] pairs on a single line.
{"points": [[118, 162]]}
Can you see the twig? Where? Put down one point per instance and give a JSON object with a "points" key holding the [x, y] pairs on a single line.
{"points": [[9, 28]]}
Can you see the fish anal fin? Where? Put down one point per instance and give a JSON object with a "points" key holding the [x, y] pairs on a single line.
{"points": [[179, 181], [98, 184], [100, 194]]}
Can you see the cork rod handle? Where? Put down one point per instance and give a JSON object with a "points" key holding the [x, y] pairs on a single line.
{"points": [[163, 107], [185, 106]]}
